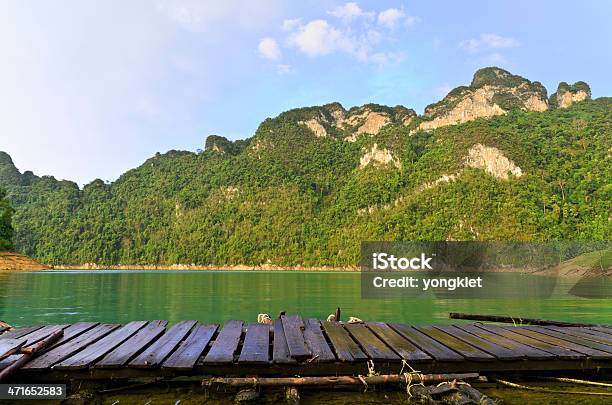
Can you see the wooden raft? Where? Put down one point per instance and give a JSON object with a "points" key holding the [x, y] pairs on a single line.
{"points": [[293, 346]]}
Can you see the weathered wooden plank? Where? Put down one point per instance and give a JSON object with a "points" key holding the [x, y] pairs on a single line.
{"points": [[225, 345], [7, 361], [294, 334], [404, 348], [155, 354], [600, 335], [585, 333], [528, 352], [99, 349], [313, 335], [280, 350], [430, 346], [59, 353], [375, 348], [343, 344], [560, 352], [500, 352], [597, 333], [10, 346], [133, 346], [601, 329], [574, 338], [256, 346], [466, 350], [42, 333], [19, 332], [72, 331], [562, 342], [187, 354]]}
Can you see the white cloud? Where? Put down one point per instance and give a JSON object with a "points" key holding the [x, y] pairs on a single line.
{"points": [[290, 24], [319, 38], [390, 17], [350, 10], [268, 48], [486, 42], [360, 34]]}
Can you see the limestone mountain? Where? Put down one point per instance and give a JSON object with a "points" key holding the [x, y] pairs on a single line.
{"points": [[313, 182], [566, 95], [493, 91]]}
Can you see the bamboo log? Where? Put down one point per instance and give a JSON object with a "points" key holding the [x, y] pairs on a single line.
{"points": [[577, 381], [29, 353], [515, 320], [540, 389], [337, 380]]}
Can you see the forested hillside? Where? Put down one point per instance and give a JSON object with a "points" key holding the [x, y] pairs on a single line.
{"points": [[6, 228], [312, 183]]}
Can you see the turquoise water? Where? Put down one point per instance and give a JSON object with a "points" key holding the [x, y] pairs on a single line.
{"points": [[214, 296]]}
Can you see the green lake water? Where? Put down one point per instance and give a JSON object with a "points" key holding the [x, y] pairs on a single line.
{"points": [[215, 296]]}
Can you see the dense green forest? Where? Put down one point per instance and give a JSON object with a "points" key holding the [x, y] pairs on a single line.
{"points": [[6, 227], [288, 197]]}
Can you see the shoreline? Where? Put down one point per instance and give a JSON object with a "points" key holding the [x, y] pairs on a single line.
{"points": [[13, 261], [239, 267], [560, 271]]}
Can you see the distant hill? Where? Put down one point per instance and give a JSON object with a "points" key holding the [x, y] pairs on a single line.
{"points": [[495, 160], [6, 222]]}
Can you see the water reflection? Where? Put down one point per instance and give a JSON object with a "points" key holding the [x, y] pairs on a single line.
{"points": [[121, 296]]}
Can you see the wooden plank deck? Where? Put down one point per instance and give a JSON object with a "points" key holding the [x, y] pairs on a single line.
{"points": [[294, 333], [293, 346], [256, 346], [161, 348], [10, 346], [133, 346], [190, 350], [280, 350], [226, 344]]}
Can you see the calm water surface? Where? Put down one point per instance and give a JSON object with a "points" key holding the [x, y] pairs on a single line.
{"points": [[215, 296]]}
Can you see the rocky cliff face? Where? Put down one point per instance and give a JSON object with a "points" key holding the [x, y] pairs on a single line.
{"points": [[378, 157], [492, 161], [365, 120], [493, 91], [567, 95]]}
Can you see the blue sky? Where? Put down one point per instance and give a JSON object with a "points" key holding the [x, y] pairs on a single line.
{"points": [[91, 89]]}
